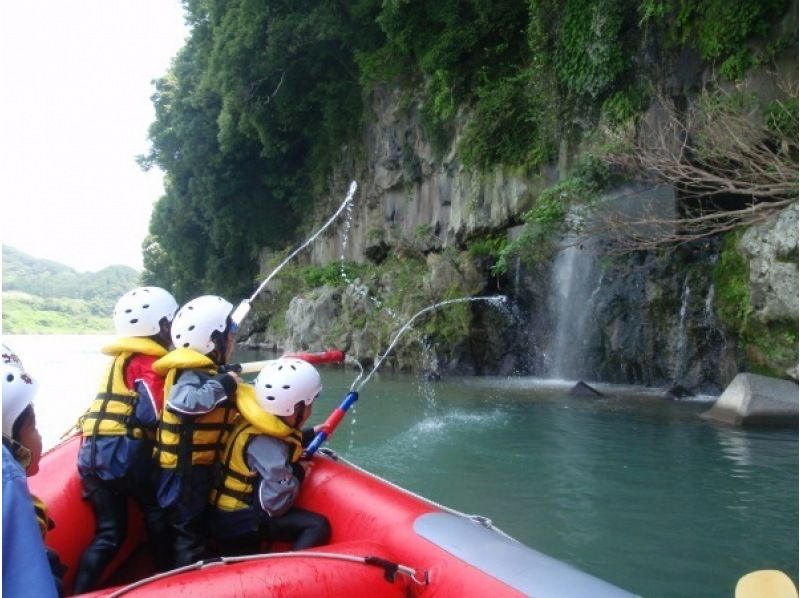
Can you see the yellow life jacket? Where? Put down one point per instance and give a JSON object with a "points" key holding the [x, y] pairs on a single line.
{"points": [[44, 521], [201, 436], [110, 412], [236, 488]]}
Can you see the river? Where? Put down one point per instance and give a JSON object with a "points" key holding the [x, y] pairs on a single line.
{"points": [[634, 489]]}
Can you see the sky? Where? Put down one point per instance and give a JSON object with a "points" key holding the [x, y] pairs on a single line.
{"points": [[77, 80]]}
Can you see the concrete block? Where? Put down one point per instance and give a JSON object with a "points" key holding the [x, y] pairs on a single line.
{"points": [[751, 399]]}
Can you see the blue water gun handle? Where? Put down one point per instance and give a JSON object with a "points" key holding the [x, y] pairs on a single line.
{"points": [[330, 424]]}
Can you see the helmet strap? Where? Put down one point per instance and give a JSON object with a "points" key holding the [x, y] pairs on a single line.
{"points": [[21, 453], [300, 410], [218, 354], [163, 337]]}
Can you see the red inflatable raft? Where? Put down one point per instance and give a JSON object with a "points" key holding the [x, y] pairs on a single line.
{"points": [[385, 542]]}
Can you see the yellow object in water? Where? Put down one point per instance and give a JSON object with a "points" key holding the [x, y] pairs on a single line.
{"points": [[767, 583]]}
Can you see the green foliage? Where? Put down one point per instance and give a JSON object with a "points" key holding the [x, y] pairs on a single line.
{"points": [[590, 57], [776, 47], [547, 217], [765, 344], [771, 347], [623, 105], [447, 326], [265, 100], [400, 288], [423, 231], [541, 223], [249, 121], [732, 293], [513, 123], [205, 231], [390, 294], [334, 274], [719, 29], [28, 314], [489, 246], [45, 297], [49, 279], [464, 52], [782, 118]]}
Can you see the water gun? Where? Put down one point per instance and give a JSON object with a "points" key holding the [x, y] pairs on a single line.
{"points": [[318, 358], [330, 424]]}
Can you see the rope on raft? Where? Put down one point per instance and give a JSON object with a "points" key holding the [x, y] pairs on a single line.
{"points": [[390, 569]]}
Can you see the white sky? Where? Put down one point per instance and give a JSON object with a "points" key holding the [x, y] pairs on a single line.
{"points": [[76, 87]]}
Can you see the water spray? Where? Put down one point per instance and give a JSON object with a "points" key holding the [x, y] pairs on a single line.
{"points": [[240, 313], [335, 418], [495, 299]]}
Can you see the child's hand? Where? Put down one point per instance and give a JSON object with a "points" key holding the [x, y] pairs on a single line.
{"points": [[235, 376]]}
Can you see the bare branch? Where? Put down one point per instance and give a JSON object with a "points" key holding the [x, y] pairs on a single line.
{"points": [[720, 147]]}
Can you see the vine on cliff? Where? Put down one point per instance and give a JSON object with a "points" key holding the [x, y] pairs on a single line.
{"points": [[265, 98], [549, 213], [720, 29]]}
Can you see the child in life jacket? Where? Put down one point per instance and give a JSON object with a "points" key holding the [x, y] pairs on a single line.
{"points": [[115, 460], [262, 468], [30, 568], [199, 413]]}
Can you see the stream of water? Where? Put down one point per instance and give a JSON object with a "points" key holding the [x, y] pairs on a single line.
{"points": [[634, 489]]}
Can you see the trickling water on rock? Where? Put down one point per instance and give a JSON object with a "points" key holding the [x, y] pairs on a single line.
{"points": [[640, 318]]}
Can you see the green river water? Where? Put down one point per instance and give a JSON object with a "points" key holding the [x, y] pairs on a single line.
{"points": [[635, 489]]}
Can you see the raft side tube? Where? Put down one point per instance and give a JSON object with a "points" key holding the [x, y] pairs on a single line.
{"points": [[58, 485], [524, 569]]}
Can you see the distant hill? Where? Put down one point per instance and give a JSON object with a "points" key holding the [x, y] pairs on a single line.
{"points": [[42, 296]]}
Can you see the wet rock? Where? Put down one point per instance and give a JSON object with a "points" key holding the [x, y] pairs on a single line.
{"points": [[310, 317], [678, 392], [377, 253], [581, 389]]}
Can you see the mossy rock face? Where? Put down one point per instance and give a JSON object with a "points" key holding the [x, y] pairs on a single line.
{"points": [[756, 294], [732, 297], [771, 349], [363, 315]]}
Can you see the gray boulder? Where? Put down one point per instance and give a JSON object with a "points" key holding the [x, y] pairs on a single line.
{"points": [[309, 319], [771, 248], [751, 399]]}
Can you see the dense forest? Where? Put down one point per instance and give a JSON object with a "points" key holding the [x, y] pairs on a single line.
{"points": [[43, 296], [268, 99]]}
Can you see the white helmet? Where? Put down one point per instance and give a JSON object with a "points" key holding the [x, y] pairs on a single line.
{"points": [[18, 392], [285, 382], [197, 320], [139, 311]]}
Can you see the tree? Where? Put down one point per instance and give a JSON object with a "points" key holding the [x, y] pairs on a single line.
{"points": [[250, 120], [733, 161]]}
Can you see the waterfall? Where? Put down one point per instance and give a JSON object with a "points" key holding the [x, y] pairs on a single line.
{"points": [[574, 284], [681, 355]]}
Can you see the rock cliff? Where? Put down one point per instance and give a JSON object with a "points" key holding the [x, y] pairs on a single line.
{"points": [[646, 317]]}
